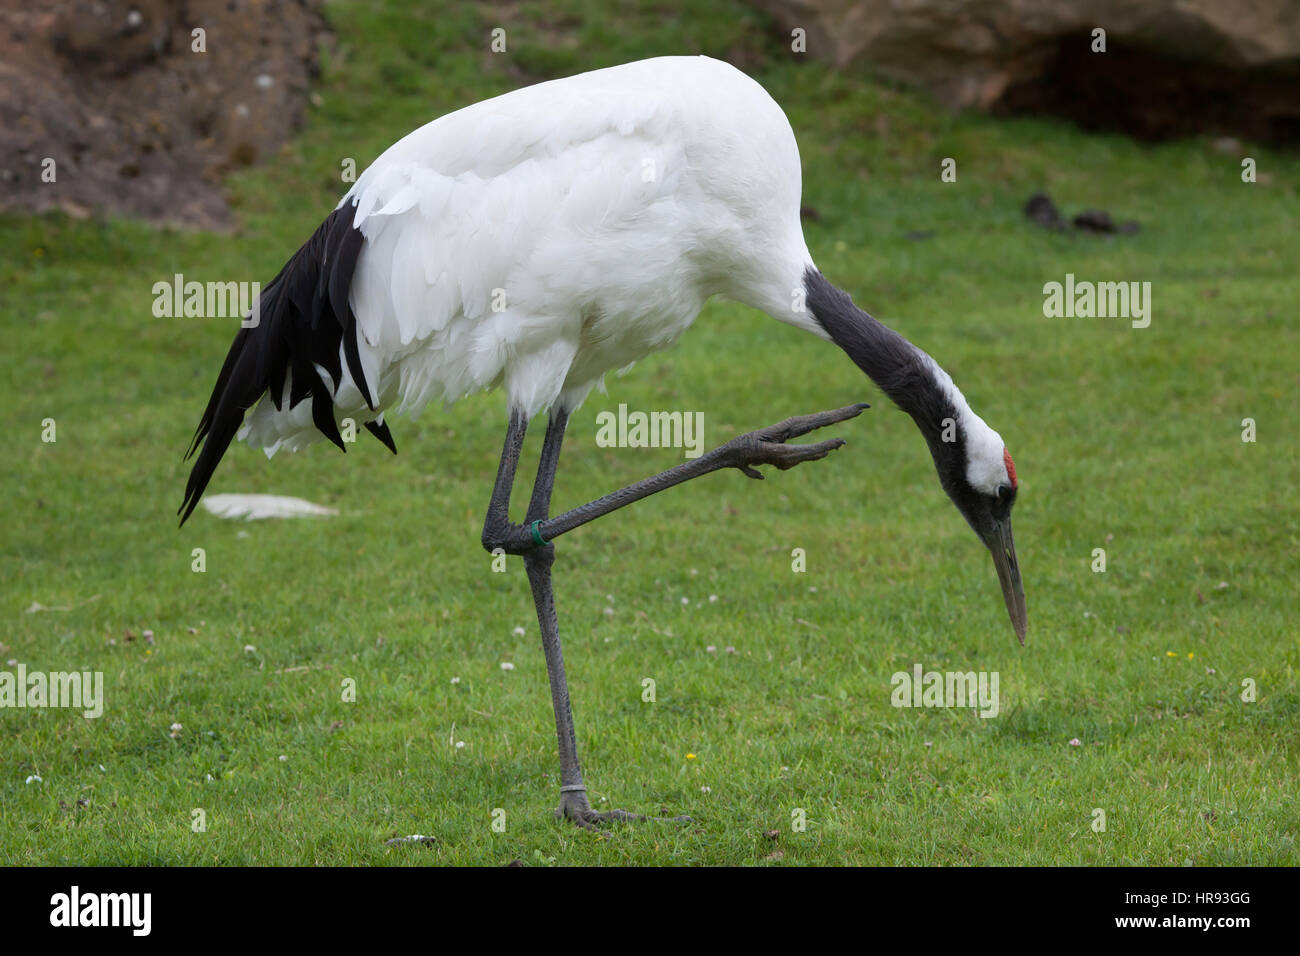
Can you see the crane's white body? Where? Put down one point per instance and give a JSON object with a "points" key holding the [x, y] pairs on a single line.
{"points": [[539, 239]]}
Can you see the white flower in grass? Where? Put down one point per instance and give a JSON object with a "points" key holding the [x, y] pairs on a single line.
{"points": [[507, 665], [35, 778], [518, 632], [455, 680]]}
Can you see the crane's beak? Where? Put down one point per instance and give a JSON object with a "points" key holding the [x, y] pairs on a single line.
{"points": [[1003, 548]]}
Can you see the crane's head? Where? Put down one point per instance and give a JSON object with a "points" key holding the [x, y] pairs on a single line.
{"points": [[979, 476], [974, 466]]}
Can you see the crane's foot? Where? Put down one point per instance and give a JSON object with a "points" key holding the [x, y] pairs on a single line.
{"points": [[575, 808], [767, 446]]}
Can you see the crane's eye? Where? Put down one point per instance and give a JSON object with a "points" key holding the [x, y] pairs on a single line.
{"points": [[1004, 493]]}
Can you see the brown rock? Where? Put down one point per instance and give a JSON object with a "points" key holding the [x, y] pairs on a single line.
{"points": [[1168, 65]]}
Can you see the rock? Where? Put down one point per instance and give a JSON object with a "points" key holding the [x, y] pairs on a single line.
{"points": [[1094, 220], [1040, 209], [1098, 220], [1043, 211], [1169, 64]]}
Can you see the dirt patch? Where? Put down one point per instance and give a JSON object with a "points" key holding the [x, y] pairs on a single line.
{"points": [[141, 108]]}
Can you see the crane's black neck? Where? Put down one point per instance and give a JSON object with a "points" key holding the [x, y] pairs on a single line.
{"points": [[901, 370]]}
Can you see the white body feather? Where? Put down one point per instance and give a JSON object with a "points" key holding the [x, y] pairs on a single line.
{"points": [[257, 507], [542, 238]]}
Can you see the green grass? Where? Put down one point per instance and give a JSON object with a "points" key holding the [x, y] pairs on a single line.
{"points": [[1125, 439]]}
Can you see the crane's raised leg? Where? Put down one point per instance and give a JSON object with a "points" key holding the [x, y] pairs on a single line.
{"points": [[533, 540]]}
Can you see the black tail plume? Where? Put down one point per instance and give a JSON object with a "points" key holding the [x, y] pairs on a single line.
{"points": [[303, 316]]}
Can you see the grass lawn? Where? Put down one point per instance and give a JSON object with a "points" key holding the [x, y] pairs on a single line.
{"points": [[1125, 439]]}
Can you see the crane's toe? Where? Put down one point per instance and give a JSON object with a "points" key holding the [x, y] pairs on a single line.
{"points": [[803, 424], [787, 456], [575, 808]]}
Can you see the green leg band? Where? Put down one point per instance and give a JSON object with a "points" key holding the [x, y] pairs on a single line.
{"points": [[537, 535]]}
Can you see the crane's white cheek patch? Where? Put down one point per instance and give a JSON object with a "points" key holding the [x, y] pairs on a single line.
{"points": [[257, 507], [986, 467]]}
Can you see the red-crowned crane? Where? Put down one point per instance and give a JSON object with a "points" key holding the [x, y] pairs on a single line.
{"points": [[539, 239]]}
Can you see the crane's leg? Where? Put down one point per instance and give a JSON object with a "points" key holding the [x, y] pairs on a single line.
{"points": [[533, 540], [764, 446], [538, 560]]}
